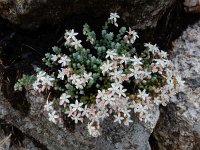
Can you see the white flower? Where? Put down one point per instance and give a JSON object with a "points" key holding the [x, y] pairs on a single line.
{"points": [[64, 60], [47, 81], [117, 88], [87, 76], [133, 35], [85, 111], [101, 105], [118, 118], [77, 106], [142, 94], [74, 78], [40, 75], [136, 61], [117, 75], [132, 32], [103, 113], [70, 35], [163, 54], [79, 83], [152, 48], [141, 109], [76, 43], [121, 91], [111, 54], [106, 66], [93, 130], [53, 117], [146, 74], [124, 59], [109, 99], [114, 88], [101, 94], [127, 121], [162, 62], [136, 73], [165, 97], [69, 112], [138, 107], [126, 112], [154, 68], [132, 40], [77, 117], [157, 100], [64, 99], [54, 57], [113, 18], [48, 106], [36, 85], [61, 74]]}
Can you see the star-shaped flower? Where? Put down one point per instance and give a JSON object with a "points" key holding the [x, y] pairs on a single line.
{"points": [[64, 60], [111, 54], [64, 99], [142, 94], [61, 74], [47, 81], [152, 48], [113, 18], [118, 118], [106, 66], [124, 59], [53, 117], [77, 117], [48, 106], [76, 43], [70, 35], [136, 61], [77, 106]]}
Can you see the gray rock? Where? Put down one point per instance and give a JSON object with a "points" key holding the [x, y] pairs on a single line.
{"points": [[179, 125], [36, 125], [32, 13], [29, 145], [4, 141], [114, 136], [192, 6]]}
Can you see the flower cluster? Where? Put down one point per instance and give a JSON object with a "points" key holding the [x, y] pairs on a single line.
{"points": [[108, 78], [44, 81]]}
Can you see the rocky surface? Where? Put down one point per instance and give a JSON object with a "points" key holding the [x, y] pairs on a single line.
{"points": [[32, 13], [192, 6], [179, 124], [6, 143], [114, 136]]}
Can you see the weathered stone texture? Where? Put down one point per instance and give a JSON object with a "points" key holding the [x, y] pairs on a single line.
{"points": [[36, 125], [179, 124], [32, 13], [192, 6]]}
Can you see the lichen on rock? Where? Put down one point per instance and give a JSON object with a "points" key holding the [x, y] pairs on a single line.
{"points": [[179, 124]]}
